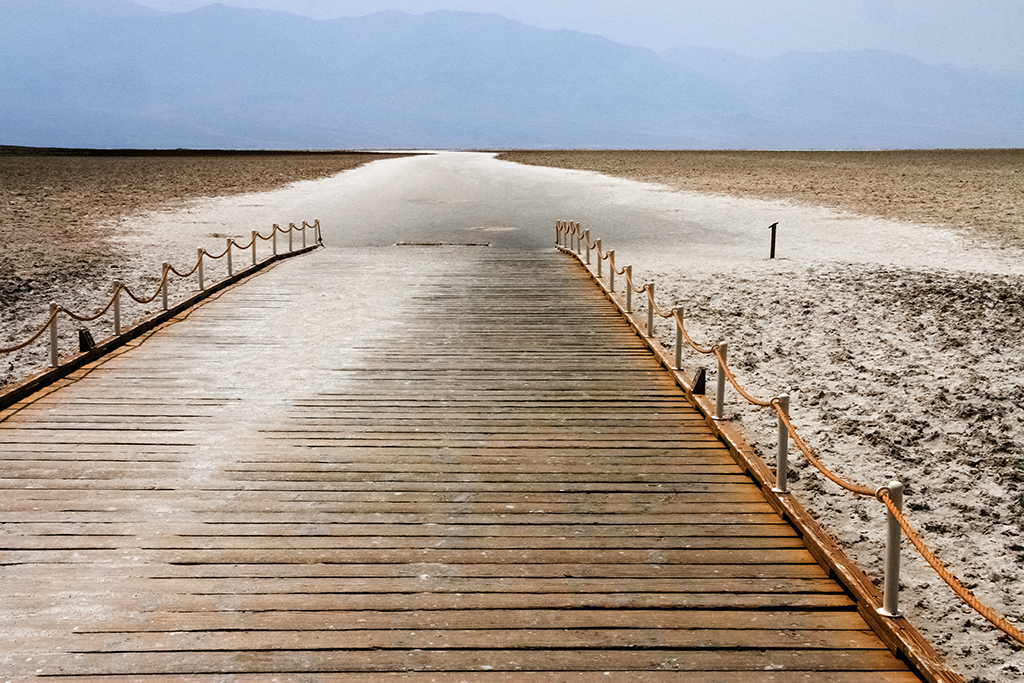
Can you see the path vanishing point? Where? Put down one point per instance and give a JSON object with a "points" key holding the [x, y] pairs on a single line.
{"points": [[405, 463]]}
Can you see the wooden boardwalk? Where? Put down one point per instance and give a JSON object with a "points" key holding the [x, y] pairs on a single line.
{"points": [[471, 471]]}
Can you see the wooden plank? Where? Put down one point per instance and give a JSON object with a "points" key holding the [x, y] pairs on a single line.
{"points": [[490, 676], [448, 660], [483, 488], [786, 620]]}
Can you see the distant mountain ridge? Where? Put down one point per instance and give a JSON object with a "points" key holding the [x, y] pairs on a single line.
{"points": [[109, 73]]}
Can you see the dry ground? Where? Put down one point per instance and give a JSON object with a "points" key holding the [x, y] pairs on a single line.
{"points": [[914, 373], [981, 191], [908, 372], [57, 210]]}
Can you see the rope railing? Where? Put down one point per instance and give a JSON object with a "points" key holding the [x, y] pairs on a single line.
{"points": [[51, 322], [570, 237]]}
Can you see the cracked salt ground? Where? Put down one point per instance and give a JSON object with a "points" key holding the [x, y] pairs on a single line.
{"points": [[898, 342]]}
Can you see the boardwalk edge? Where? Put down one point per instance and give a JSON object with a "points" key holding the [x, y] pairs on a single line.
{"points": [[45, 378], [902, 639]]}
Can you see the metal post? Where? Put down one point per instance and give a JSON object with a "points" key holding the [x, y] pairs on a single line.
{"points": [[117, 307], [891, 586], [231, 243], [54, 309], [586, 239], [679, 339], [720, 389], [650, 309], [629, 288], [254, 247], [782, 457], [202, 283], [599, 258], [165, 277], [273, 237]]}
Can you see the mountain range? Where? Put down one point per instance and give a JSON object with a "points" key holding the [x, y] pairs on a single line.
{"points": [[112, 74]]}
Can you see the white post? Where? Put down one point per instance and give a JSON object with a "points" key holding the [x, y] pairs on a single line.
{"points": [[891, 586], [782, 456], [679, 340], [202, 283], [273, 237], [650, 309], [720, 389], [254, 247], [558, 233], [231, 243], [303, 234], [165, 277], [117, 307], [586, 240], [599, 259], [629, 288], [579, 235], [54, 309]]}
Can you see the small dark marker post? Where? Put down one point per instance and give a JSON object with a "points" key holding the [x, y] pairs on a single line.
{"points": [[772, 228]]}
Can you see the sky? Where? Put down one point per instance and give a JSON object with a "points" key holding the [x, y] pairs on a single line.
{"points": [[986, 34]]}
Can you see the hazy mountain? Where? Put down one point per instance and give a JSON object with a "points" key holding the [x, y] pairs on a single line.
{"points": [[868, 98], [108, 73]]}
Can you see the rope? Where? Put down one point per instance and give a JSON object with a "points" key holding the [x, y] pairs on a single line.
{"points": [[659, 310], [86, 319], [735, 383], [962, 591], [813, 458], [218, 256], [130, 293], [247, 244], [159, 290], [38, 333], [180, 274], [882, 494], [706, 350]]}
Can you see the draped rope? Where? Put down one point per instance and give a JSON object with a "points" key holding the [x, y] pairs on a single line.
{"points": [[882, 494], [165, 276]]}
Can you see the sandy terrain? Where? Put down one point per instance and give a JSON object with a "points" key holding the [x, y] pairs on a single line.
{"points": [[913, 373], [978, 191], [62, 238]]}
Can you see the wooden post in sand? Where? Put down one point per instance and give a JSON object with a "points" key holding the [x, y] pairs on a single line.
{"points": [[54, 356], [891, 583], [117, 307], [782, 454], [772, 228], [723, 350]]}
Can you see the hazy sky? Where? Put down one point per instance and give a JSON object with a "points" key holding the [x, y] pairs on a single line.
{"points": [[982, 33]]}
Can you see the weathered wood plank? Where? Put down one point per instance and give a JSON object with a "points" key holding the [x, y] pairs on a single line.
{"points": [[477, 483], [452, 660]]}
